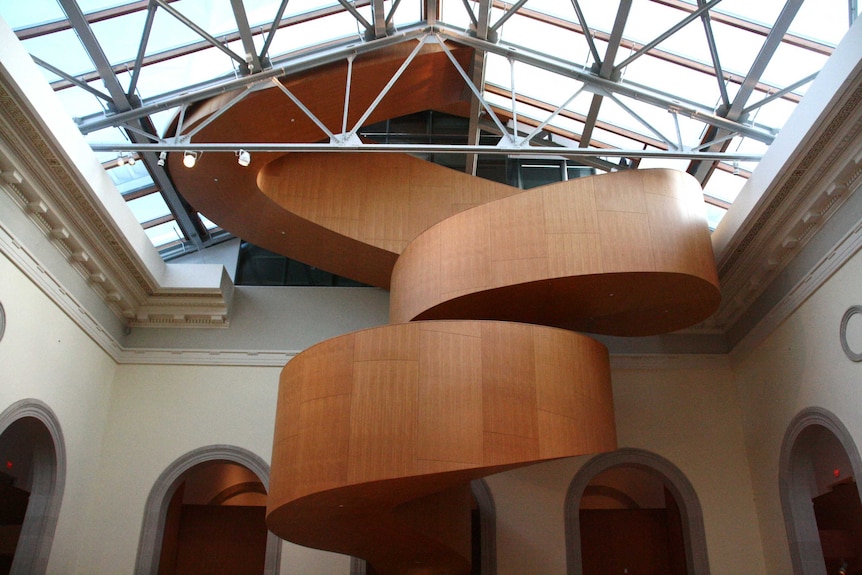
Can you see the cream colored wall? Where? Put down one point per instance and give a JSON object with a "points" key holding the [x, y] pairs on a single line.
{"points": [[690, 417], [800, 365], [45, 356], [159, 413]]}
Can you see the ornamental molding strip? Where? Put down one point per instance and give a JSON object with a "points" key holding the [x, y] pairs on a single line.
{"points": [[821, 177], [48, 189]]}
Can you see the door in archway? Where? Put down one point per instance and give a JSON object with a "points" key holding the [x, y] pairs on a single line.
{"points": [[630, 524], [215, 523]]}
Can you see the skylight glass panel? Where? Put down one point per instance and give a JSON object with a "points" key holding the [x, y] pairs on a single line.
{"points": [[542, 37], [790, 64], [313, 32], [88, 6], [454, 13], [668, 77], [164, 234], [148, 208], [120, 36], [407, 13], [763, 12], [714, 214], [62, 50], [724, 185], [825, 20], [24, 14], [208, 224], [129, 178], [79, 103]]}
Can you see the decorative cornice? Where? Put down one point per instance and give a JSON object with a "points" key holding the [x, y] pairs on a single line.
{"points": [[813, 187], [38, 178]]}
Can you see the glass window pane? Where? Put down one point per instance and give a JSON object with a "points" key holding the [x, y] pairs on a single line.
{"points": [[149, 207]]}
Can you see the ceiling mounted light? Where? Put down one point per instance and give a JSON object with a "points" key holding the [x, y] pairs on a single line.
{"points": [[190, 159], [162, 157], [243, 158], [132, 159]]}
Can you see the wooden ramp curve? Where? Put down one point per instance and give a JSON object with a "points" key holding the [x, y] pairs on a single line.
{"points": [[379, 432]]}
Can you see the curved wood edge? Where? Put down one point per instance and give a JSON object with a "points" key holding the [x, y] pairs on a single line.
{"points": [[228, 194], [372, 420], [627, 253], [381, 199]]}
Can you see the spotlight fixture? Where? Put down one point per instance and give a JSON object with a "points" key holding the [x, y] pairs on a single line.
{"points": [[243, 158], [132, 159], [189, 159], [120, 161], [162, 157]]}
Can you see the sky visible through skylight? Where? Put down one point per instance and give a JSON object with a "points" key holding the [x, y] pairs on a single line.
{"points": [[680, 67]]}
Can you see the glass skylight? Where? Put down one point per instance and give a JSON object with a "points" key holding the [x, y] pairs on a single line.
{"points": [[653, 104]]}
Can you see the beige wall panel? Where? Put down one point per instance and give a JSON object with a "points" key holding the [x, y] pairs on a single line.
{"points": [[574, 254], [509, 380], [518, 232], [423, 274], [324, 373], [570, 208], [398, 342], [570, 280], [517, 271], [622, 191], [383, 420], [467, 407], [561, 435], [322, 443], [464, 255], [450, 398], [505, 448], [626, 242]]}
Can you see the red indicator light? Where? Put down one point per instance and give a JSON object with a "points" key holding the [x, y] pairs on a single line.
{"points": [[837, 473], [9, 465]]}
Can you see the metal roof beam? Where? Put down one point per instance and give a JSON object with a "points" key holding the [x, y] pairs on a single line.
{"points": [[378, 13], [701, 170], [202, 33], [606, 69], [231, 147], [713, 52], [477, 76], [142, 49], [251, 58]]}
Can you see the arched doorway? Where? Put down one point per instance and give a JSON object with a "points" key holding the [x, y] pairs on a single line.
{"points": [[820, 497], [484, 527], [33, 475], [641, 494], [210, 495]]}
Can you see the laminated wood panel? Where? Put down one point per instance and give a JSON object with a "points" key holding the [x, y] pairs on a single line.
{"points": [[428, 406], [229, 194], [624, 254]]}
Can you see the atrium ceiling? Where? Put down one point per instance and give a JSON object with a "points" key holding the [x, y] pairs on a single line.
{"points": [[700, 86]]}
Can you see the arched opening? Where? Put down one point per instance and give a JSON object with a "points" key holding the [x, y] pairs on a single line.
{"points": [[32, 478], [633, 511], [484, 534], [820, 496], [206, 513]]}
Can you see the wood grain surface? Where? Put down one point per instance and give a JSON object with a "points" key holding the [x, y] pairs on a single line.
{"points": [[379, 432]]}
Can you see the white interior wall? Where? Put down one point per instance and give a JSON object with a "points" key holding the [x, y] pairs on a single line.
{"points": [[45, 356], [691, 418], [800, 365]]}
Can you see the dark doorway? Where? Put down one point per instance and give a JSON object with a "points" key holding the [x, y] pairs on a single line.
{"points": [[630, 523], [215, 523]]}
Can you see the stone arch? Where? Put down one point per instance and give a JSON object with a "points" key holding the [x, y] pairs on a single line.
{"points": [[155, 512], [794, 477], [49, 481], [694, 534]]}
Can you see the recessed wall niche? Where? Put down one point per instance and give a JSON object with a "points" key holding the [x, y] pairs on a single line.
{"points": [[852, 344]]}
